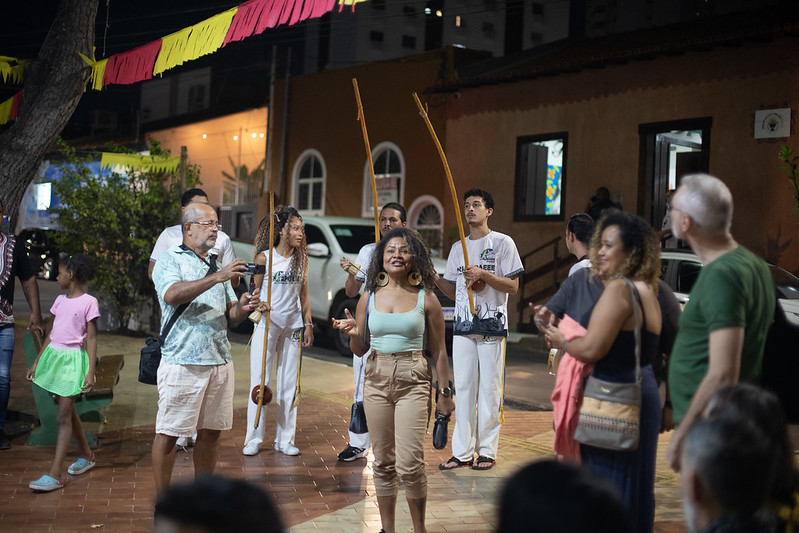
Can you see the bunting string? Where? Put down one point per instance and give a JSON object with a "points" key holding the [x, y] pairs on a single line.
{"points": [[205, 37], [150, 163]]}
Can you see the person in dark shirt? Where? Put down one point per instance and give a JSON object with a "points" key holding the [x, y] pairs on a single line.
{"points": [[13, 263]]}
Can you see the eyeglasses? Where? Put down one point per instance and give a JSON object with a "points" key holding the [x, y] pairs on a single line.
{"points": [[209, 224]]}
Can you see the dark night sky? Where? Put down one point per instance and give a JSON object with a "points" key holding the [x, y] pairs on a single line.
{"points": [[131, 23]]}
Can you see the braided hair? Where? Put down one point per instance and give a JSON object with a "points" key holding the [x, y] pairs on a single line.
{"points": [[283, 215]]}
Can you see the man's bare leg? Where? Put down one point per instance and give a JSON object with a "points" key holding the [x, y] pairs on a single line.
{"points": [[163, 457], [206, 451]]}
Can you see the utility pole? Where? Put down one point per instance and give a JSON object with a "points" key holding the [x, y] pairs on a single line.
{"points": [[270, 123]]}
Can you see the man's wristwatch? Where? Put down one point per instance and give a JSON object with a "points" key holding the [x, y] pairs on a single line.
{"points": [[446, 392]]}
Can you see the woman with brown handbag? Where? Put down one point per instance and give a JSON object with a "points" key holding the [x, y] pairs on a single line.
{"points": [[624, 246]]}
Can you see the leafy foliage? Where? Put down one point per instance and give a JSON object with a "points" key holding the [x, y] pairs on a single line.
{"points": [[250, 181], [791, 167], [115, 220]]}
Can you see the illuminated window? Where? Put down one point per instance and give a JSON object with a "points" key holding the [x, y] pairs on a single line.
{"points": [[540, 175]]}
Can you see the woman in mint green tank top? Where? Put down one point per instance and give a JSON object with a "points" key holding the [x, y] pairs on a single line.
{"points": [[393, 316]]}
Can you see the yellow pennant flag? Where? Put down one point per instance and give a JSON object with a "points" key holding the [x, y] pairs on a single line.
{"points": [[147, 163], [203, 38], [5, 110], [98, 71], [11, 69]]}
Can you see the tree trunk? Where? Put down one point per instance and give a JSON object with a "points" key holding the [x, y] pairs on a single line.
{"points": [[53, 86]]}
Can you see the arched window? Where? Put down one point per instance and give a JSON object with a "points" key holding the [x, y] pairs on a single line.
{"points": [[389, 168], [309, 183], [426, 215]]}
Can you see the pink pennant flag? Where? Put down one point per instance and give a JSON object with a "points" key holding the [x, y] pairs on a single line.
{"points": [[15, 106], [256, 16], [133, 65]]}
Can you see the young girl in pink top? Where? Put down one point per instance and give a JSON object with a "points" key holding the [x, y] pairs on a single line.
{"points": [[65, 366]]}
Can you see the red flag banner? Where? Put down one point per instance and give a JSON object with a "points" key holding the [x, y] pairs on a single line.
{"points": [[16, 101], [256, 16], [133, 65]]}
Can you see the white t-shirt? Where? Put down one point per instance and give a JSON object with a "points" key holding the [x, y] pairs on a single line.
{"points": [[286, 309], [496, 253], [364, 259], [173, 236], [582, 263]]}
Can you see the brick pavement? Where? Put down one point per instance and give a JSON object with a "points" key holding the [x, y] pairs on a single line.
{"points": [[313, 491]]}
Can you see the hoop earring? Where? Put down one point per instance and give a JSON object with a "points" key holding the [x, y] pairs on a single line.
{"points": [[414, 278], [382, 279]]}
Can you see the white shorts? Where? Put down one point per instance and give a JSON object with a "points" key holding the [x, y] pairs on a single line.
{"points": [[194, 396]]}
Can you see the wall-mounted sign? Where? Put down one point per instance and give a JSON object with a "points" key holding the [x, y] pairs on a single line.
{"points": [[772, 123]]}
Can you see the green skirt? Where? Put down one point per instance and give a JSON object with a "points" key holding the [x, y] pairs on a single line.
{"points": [[62, 372]]}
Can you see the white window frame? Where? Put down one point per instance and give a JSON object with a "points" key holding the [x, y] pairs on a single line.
{"points": [[416, 209], [366, 198], [295, 188]]}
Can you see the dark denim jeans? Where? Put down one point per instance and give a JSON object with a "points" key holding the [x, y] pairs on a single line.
{"points": [[6, 352]]}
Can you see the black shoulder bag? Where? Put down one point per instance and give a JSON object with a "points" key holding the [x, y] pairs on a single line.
{"points": [[357, 414], [151, 353]]}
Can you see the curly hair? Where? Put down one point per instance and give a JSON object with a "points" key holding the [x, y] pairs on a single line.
{"points": [[639, 241], [283, 215], [420, 258], [80, 266]]}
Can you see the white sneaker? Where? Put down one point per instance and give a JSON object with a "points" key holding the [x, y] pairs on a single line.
{"points": [[287, 449], [251, 449]]}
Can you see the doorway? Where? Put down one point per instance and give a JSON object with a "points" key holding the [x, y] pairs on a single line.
{"points": [[669, 151]]}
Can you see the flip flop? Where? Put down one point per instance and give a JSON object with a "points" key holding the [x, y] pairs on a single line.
{"points": [[483, 460], [458, 463]]}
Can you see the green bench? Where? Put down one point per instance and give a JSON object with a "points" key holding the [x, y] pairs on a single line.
{"points": [[106, 376]]}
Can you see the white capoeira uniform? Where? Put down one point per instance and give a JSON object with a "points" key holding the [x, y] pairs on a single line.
{"points": [[285, 334], [478, 345], [361, 440]]}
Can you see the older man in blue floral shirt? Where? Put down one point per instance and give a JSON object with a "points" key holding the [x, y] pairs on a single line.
{"points": [[196, 377]]}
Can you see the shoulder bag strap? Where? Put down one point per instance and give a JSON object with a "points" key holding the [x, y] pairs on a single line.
{"points": [[366, 341], [636, 301], [212, 268]]}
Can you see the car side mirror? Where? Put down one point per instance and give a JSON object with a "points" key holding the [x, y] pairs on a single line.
{"points": [[318, 249]]}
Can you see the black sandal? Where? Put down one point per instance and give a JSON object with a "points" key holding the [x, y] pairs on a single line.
{"points": [[458, 463], [482, 459]]}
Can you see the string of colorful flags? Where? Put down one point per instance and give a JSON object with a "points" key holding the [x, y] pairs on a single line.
{"points": [[205, 37], [145, 163]]}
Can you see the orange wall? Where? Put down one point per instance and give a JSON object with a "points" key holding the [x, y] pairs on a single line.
{"points": [[602, 109], [322, 116], [213, 153]]}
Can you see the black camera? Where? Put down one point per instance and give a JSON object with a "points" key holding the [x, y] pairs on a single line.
{"points": [[254, 269]]}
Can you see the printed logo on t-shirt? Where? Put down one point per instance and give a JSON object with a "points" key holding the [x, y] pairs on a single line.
{"points": [[488, 255], [285, 276]]}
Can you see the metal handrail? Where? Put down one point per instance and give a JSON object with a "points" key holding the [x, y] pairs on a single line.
{"points": [[554, 243]]}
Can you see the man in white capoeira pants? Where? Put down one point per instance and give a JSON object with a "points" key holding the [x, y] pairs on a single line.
{"points": [[478, 343], [392, 216]]}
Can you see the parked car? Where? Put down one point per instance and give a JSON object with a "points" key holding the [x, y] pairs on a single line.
{"points": [[329, 239], [42, 251], [680, 268]]}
